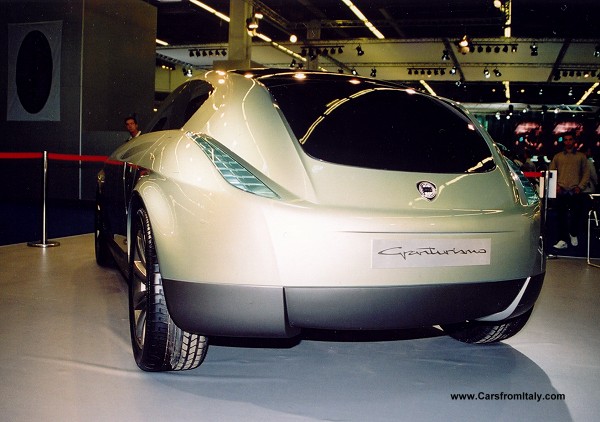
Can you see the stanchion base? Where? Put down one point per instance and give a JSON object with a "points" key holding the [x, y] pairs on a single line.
{"points": [[40, 244]]}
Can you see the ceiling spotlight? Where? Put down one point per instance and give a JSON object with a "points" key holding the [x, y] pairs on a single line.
{"points": [[464, 45], [252, 24], [597, 51], [453, 70], [480, 49], [373, 72], [303, 52], [410, 71], [497, 73], [497, 49], [570, 92], [332, 51], [534, 49], [513, 48], [354, 72], [445, 55], [293, 38], [191, 53], [505, 49], [340, 50], [293, 63], [557, 76], [187, 72], [442, 72], [488, 49], [359, 50], [486, 73], [224, 52]]}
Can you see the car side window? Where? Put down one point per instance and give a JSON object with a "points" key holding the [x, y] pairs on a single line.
{"points": [[180, 105]]}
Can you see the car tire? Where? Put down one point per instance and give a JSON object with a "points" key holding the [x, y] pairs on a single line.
{"points": [[481, 332], [158, 344], [103, 255]]}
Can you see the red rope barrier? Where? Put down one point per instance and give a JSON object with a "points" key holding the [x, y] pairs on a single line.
{"points": [[75, 157], [53, 156], [533, 174], [20, 155]]}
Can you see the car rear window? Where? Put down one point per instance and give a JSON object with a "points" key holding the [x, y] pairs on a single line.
{"points": [[364, 123]]}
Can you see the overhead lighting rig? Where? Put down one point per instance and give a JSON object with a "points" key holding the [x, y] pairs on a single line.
{"points": [[427, 71], [323, 50], [577, 72], [483, 47], [205, 52], [166, 65]]}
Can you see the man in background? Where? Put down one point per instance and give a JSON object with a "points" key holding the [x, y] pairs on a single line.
{"points": [[132, 127], [573, 174]]}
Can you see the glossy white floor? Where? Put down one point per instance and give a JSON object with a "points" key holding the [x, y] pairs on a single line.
{"points": [[65, 356]]}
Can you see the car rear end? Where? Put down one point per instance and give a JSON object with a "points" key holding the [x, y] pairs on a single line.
{"points": [[413, 218]]}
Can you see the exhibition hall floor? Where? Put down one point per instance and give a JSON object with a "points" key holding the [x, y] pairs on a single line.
{"points": [[65, 356]]}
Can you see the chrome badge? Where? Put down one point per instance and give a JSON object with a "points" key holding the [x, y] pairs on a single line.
{"points": [[427, 190]]}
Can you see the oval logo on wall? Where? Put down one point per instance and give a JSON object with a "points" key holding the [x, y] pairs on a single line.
{"points": [[427, 190], [34, 72]]}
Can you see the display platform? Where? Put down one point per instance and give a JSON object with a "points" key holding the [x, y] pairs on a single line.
{"points": [[65, 355]]}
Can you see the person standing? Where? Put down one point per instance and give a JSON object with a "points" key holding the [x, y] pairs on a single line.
{"points": [[573, 174], [132, 127]]}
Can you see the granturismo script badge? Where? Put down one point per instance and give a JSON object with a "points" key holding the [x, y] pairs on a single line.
{"points": [[427, 190]]}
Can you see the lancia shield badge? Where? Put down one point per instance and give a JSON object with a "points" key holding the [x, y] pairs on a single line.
{"points": [[427, 190]]}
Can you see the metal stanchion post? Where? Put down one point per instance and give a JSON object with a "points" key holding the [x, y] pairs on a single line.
{"points": [[44, 243]]}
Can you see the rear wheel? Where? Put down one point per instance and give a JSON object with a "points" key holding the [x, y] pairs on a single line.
{"points": [[482, 332], [158, 344]]}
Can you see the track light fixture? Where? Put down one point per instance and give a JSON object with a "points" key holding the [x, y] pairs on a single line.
{"points": [[453, 70], [579, 72], [187, 72], [429, 71], [166, 65], [597, 51], [445, 55], [359, 50], [486, 73], [495, 47], [373, 73], [534, 49], [464, 45], [497, 73], [323, 50], [207, 52]]}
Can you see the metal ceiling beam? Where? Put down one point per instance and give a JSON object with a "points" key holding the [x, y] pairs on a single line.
{"points": [[453, 58], [559, 58]]}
